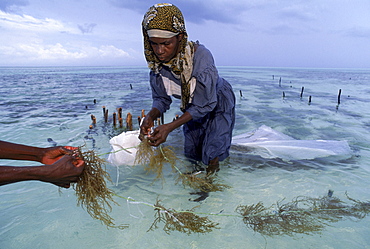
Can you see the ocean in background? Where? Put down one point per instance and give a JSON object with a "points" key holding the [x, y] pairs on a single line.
{"points": [[41, 106]]}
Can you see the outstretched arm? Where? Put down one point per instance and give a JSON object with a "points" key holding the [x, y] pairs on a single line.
{"points": [[60, 167], [61, 173], [30, 153]]}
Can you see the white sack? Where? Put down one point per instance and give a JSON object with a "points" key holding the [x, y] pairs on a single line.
{"points": [[124, 148], [269, 143]]}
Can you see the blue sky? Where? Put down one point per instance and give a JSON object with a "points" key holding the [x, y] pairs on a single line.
{"points": [[261, 33]]}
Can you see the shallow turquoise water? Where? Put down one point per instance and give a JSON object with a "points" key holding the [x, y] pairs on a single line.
{"points": [[56, 102]]}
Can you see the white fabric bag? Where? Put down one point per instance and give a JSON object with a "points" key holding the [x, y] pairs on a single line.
{"points": [[124, 147], [269, 143]]}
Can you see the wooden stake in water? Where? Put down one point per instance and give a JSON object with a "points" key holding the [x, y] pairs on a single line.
{"points": [[106, 116], [129, 122], [114, 118], [93, 119], [302, 91], [119, 110], [340, 92], [309, 100], [241, 93], [120, 120]]}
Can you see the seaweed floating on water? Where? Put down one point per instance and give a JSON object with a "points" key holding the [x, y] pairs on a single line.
{"points": [[203, 182], [92, 191], [183, 221], [303, 215]]}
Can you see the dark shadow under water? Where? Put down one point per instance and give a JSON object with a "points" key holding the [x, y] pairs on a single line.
{"points": [[249, 163]]}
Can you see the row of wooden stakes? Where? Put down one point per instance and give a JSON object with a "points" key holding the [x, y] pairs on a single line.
{"points": [[309, 99], [118, 118]]}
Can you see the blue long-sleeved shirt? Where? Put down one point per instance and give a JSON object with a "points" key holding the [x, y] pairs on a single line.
{"points": [[205, 94]]}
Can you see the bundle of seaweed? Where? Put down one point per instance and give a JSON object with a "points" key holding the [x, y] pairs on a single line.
{"points": [[144, 152], [302, 215], [202, 182], [153, 160], [92, 191], [183, 221]]}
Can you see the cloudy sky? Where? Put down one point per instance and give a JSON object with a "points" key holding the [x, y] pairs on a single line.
{"points": [[261, 33]]}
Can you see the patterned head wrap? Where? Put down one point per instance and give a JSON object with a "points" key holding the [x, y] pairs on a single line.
{"points": [[168, 17]]}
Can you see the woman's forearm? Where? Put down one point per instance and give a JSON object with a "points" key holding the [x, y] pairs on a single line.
{"points": [[20, 152], [10, 174], [61, 173], [184, 118], [154, 113]]}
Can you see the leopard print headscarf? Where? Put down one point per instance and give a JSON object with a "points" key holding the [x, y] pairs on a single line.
{"points": [[165, 16]]}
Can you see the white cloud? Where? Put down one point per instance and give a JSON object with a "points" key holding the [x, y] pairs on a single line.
{"points": [[49, 52], [12, 21], [57, 54], [9, 5], [112, 51], [27, 40]]}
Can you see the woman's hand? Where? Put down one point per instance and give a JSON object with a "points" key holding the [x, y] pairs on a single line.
{"points": [[145, 127], [159, 135], [148, 122], [53, 154], [61, 173], [64, 171]]}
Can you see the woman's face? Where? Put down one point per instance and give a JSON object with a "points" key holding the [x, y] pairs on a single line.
{"points": [[165, 48]]}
